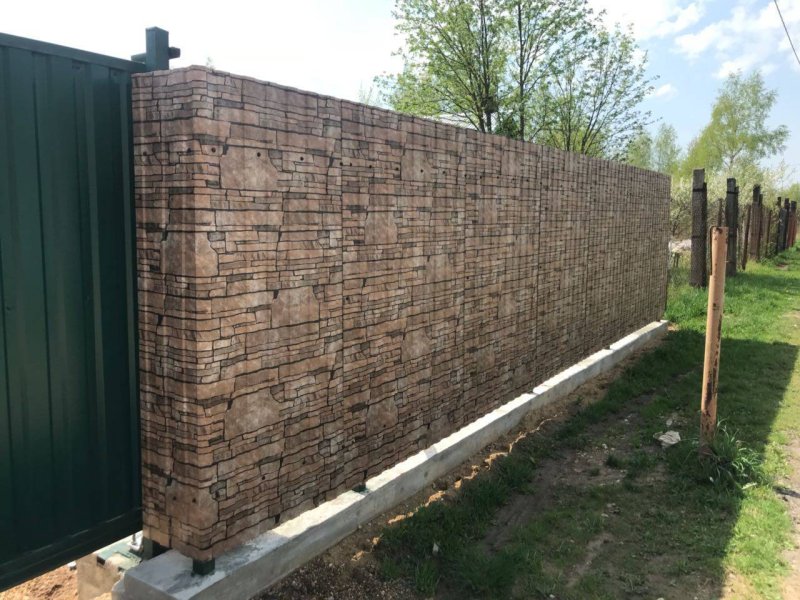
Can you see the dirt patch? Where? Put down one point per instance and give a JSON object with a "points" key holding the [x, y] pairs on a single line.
{"points": [[350, 570], [323, 579], [592, 550], [789, 490], [583, 468], [59, 584]]}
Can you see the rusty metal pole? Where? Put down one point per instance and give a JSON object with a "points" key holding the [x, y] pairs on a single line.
{"points": [[716, 299]]}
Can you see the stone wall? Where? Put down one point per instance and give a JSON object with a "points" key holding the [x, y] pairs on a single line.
{"points": [[327, 288]]}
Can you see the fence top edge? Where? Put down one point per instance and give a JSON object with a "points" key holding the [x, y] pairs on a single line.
{"points": [[38, 47]]}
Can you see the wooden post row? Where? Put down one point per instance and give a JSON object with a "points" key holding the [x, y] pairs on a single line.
{"points": [[716, 300]]}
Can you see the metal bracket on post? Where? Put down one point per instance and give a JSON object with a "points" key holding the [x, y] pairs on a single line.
{"points": [[203, 567], [149, 549], [158, 51]]}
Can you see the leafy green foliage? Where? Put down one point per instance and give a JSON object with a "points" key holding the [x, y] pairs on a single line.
{"points": [[664, 154], [737, 140], [541, 32], [667, 153], [589, 103], [454, 60], [538, 70], [727, 463], [640, 151], [738, 130]]}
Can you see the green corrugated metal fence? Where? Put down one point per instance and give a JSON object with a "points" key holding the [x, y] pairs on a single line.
{"points": [[69, 458]]}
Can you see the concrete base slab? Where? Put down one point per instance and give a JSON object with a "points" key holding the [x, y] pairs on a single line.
{"points": [[252, 567]]}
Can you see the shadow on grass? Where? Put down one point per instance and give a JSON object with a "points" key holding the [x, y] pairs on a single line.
{"points": [[656, 530]]}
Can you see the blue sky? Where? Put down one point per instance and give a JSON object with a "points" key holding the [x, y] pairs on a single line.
{"points": [[337, 46], [693, 45]]}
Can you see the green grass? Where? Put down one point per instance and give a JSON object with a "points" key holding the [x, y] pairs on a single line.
{"points": [[672, 526]]}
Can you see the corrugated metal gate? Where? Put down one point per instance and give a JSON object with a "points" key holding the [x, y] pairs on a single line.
{"points": [[69, 431]]}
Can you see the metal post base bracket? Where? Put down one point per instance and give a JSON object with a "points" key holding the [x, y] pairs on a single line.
{"points": [[203, 567]]}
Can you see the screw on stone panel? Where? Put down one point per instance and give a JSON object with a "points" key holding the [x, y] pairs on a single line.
{"points": [[158, 52], [203, 567]]}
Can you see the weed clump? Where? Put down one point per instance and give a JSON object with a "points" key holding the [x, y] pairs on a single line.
{"points": [[727, 463]]}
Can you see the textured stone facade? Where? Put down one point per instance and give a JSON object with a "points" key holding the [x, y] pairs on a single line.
{"points": [[327, 288]]}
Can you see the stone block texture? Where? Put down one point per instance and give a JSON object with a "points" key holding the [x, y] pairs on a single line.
{"points": [[326, 288]]}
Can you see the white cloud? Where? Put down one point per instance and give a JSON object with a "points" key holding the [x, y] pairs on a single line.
{"points": [[752, 37], [651, 18], [694, 44], [665, 91]]}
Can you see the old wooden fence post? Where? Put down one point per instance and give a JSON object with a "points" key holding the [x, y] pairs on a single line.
{"points": [[780, 227], [698, 274], [732, 222], [767, 238], [757, 224], [716, 299], [786, 209], [748, 216]]}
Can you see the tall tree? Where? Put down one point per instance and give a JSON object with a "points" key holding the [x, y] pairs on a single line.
{"points": [[541, 32], [666, 158], [540, 70], [662, 153], [738, 130], [454, 60], [667, 154], [792, 191], [590, 102], [640, 151]]}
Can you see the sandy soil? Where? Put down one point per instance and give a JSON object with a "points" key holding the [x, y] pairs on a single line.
{"points": [[790, 492], [60, 584]]}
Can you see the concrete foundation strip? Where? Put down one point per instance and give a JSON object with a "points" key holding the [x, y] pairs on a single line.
{"points": [[254, 566]]}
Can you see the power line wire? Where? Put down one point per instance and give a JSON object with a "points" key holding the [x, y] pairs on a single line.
{"points": [[791, 43]]}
